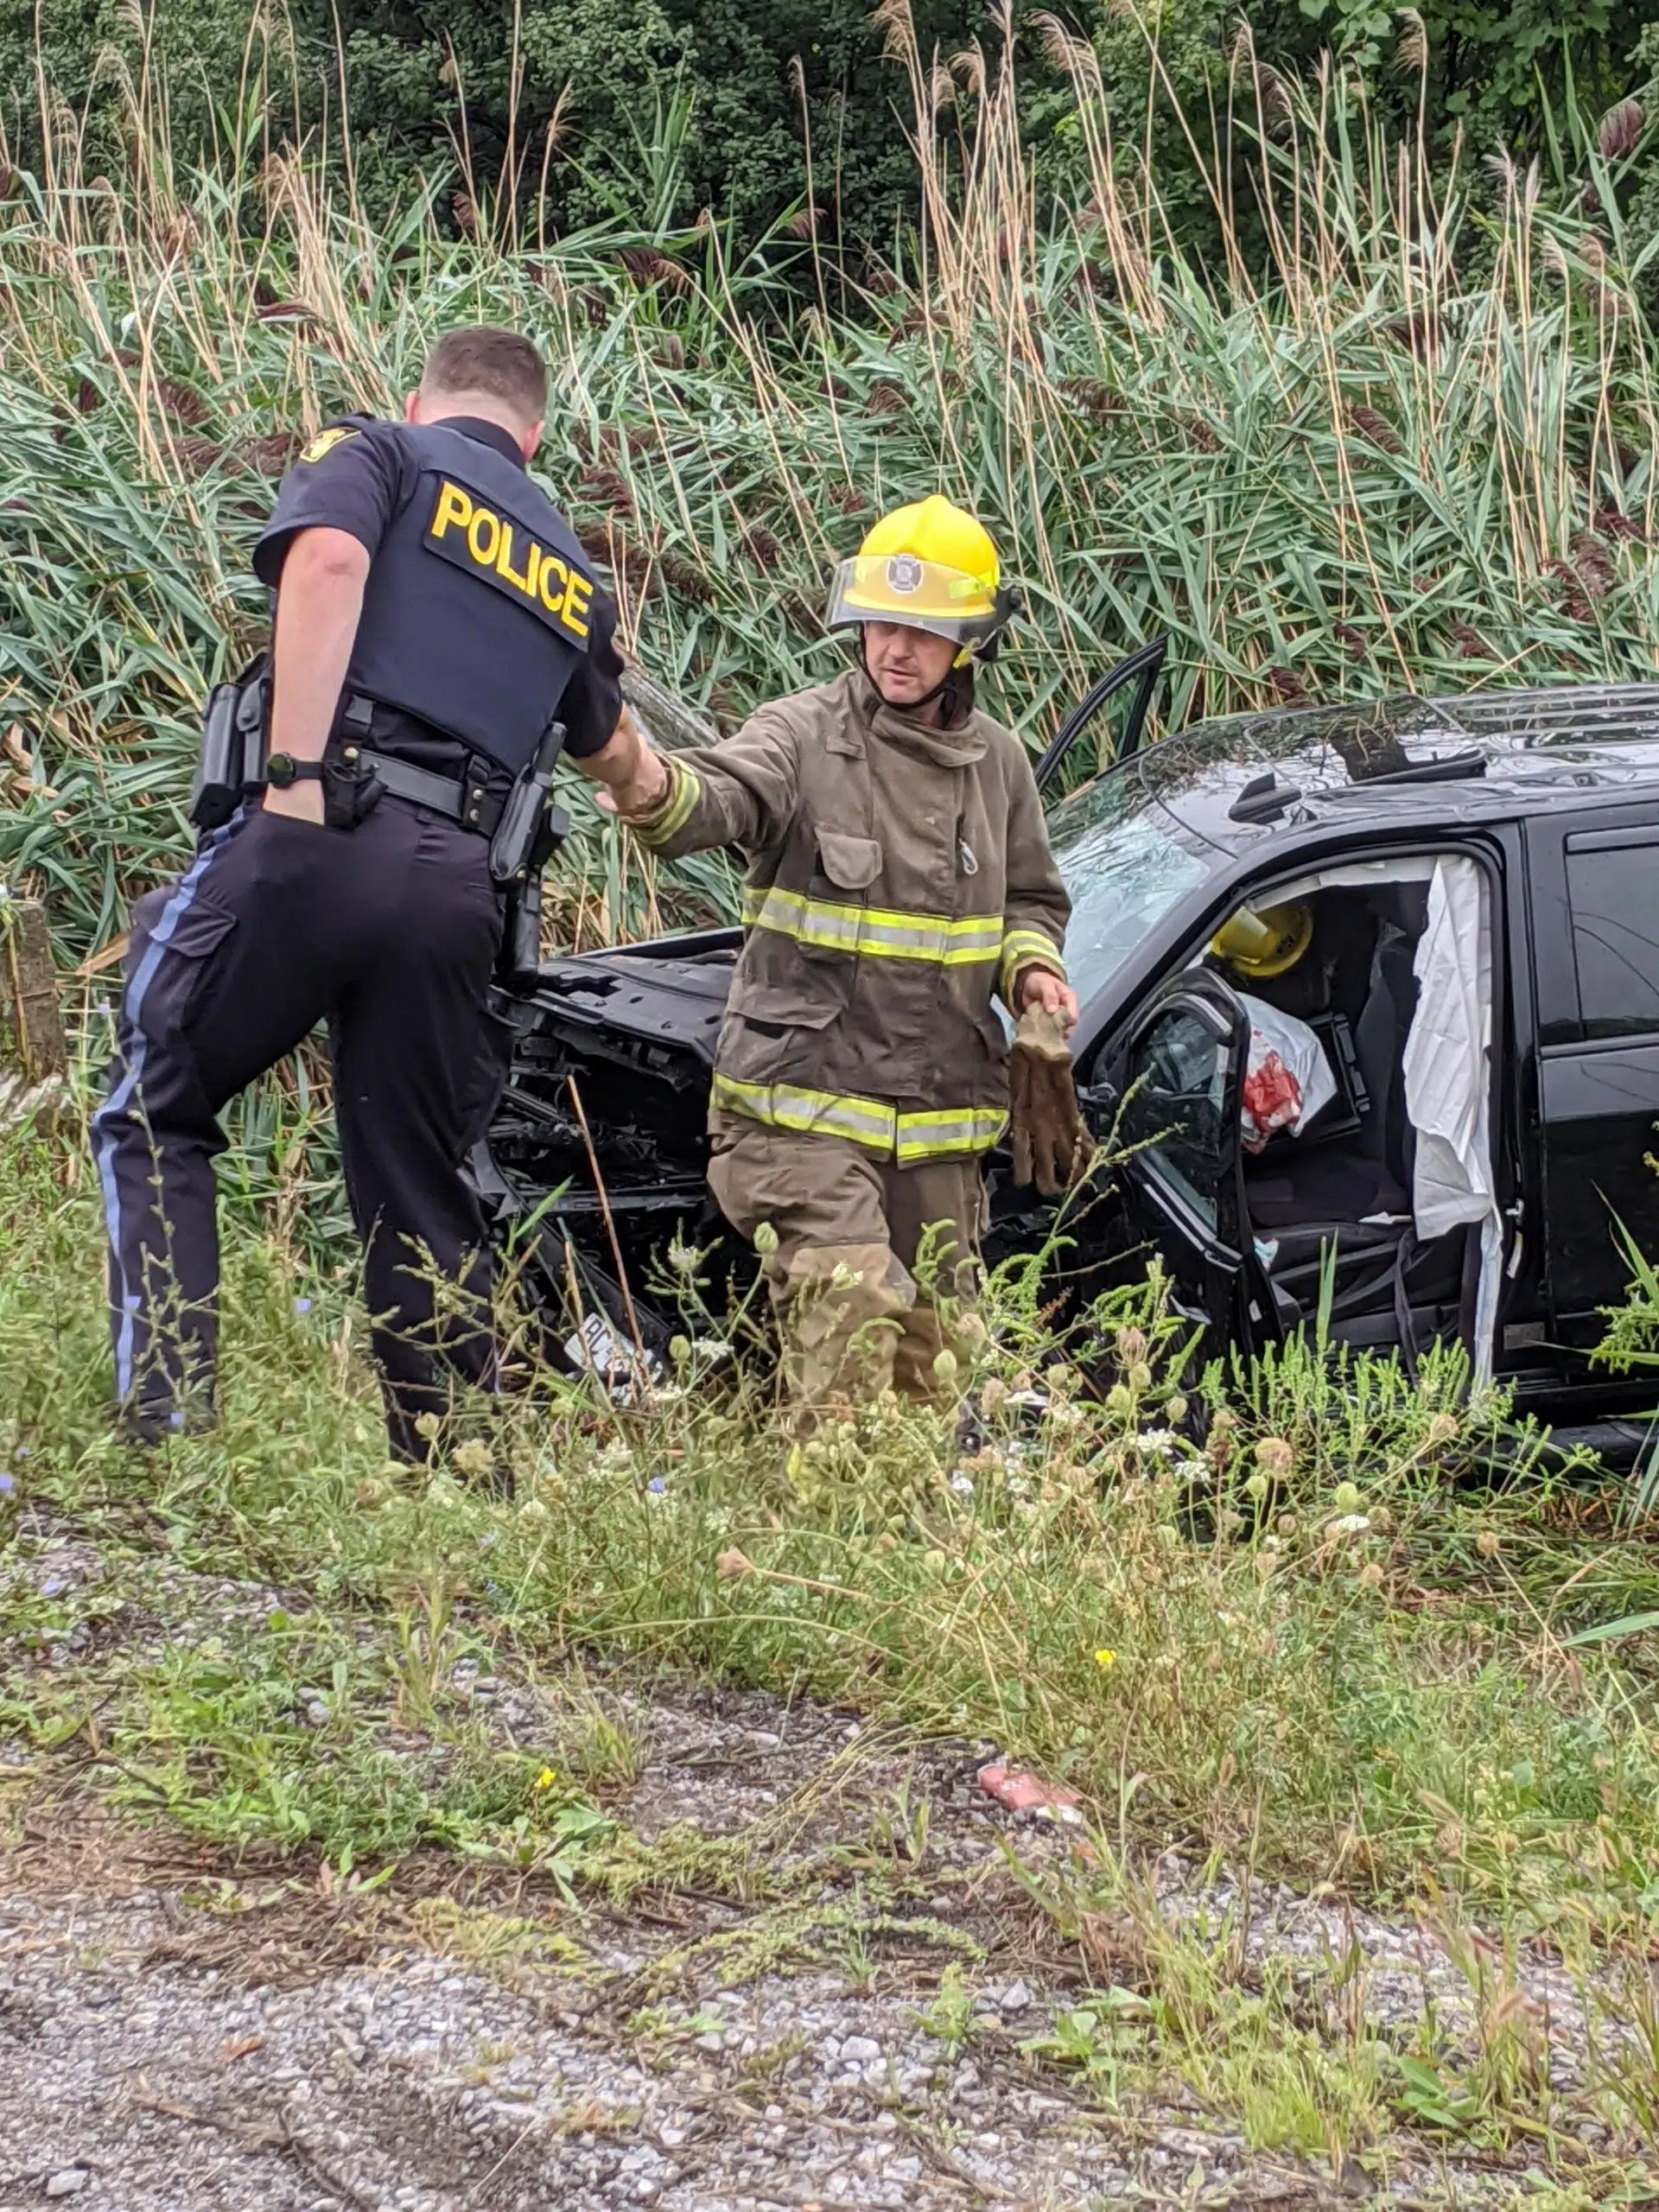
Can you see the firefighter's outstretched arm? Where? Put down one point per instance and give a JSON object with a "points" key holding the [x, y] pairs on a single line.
{"points": [[743, 791]]}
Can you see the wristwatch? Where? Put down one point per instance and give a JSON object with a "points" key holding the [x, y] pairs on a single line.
{"points": [[283, 770]]}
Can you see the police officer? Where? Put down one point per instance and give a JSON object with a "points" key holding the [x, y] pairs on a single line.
{"points": [[434, 612]]}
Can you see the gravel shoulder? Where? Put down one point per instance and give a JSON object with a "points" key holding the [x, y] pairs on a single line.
{"points": [[816, 1988]]}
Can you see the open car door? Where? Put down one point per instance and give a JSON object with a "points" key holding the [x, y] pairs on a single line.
{"points": [[1129, 688], [1180, 1074]]}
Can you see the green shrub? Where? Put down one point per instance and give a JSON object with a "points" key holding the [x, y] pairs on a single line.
{"points": [[1423, 456], [447, 93]]}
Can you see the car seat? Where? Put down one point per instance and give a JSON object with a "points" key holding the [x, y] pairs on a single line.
{"points": [[1351, 1196], [1300, 1184]]}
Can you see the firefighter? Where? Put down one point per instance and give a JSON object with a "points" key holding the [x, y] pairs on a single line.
{"points": [[434, 614], [899, 880]]}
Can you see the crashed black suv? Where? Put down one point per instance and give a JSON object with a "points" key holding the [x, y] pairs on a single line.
{"points": [[1449, 908]]}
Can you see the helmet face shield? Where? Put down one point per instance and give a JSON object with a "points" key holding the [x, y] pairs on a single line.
{"points": [[915, 594]]}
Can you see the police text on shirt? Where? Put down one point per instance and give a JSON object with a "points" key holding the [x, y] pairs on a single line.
{"points": [[477, 539]]}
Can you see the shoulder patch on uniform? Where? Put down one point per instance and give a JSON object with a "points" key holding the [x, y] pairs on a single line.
{"points": [[325, 441]]}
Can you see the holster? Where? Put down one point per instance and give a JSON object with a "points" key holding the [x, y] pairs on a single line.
{"points": [[232, 765], [350, 789], [531, 828], [235, 743], [518, 963], [530, 832]]}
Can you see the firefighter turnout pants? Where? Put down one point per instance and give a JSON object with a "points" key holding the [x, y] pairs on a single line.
{"points": [[854, 1232], [387, 931]]}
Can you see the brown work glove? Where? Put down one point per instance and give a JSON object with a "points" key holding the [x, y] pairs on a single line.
{"points": [[1051, 1146]]}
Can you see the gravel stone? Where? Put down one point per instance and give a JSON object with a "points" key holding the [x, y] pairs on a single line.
{"points": [[379, 2064]]}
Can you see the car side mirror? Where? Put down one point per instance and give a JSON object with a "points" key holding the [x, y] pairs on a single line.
{"points": [[1100, 1101]]}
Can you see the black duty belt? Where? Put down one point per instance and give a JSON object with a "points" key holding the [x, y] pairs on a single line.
{"points": [[467, 800]]}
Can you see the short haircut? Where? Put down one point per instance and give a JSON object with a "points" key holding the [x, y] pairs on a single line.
{"points": [[499, 362]]}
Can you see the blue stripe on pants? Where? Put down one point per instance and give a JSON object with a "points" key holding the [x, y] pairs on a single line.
{"points": [[106, 1121]]}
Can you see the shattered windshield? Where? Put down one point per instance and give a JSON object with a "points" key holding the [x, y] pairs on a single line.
{"points": [[1127, 862]]}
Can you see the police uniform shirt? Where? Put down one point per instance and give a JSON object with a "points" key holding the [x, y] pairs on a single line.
{"points": [[355, 477]]}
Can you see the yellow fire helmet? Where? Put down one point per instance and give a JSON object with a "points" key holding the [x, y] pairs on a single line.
{"points": [[931, 567], [1260, 942]]}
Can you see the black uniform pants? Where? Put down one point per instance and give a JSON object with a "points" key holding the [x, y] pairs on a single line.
{"points": [[389, 932]]}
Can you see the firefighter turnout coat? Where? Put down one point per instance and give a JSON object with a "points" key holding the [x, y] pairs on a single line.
{"points": [[898, 876]]}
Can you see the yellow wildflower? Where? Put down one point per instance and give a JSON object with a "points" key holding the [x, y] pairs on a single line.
{"points": [[1105, 1658]]}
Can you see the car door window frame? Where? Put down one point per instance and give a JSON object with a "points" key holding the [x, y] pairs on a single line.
{"points": [[1238, 1305], [1213, 1019], [1637, 837], [1225, 1235], [1558, 1007], [1500, 861], [1573, 1305], [1146, 663]]}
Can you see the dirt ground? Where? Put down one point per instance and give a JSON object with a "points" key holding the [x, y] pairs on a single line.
{"points": [[177, 2039], [180, 2032]]}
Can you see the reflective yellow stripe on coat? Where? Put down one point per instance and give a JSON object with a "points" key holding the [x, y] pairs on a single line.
{"points": [[675, 811], [946, 1129], [1026, 948], [907, 1138], [876, 932]]}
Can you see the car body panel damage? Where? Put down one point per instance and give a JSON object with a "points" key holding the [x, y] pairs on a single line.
{"points": [[1371, 992]]}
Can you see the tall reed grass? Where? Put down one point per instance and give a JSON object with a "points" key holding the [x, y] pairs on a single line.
{"points": [[1418, 450]]}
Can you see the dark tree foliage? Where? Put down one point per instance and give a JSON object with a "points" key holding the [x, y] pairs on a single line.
{"points": [[736, 91], [1504, 69], [437, 84]]}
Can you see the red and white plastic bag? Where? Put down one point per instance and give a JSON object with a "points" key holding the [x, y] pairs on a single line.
{"points": [[1287, 1078]]}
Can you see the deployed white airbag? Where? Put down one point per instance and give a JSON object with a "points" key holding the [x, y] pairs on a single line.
{"points": [[1447, 1067]]}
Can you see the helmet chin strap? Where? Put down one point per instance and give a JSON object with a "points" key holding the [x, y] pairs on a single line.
{"points": [[927, 698]]}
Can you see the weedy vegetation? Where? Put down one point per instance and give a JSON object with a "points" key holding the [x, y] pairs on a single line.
{"points": [[1368, 1634], [1352, 1642], [1416, 449]]}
